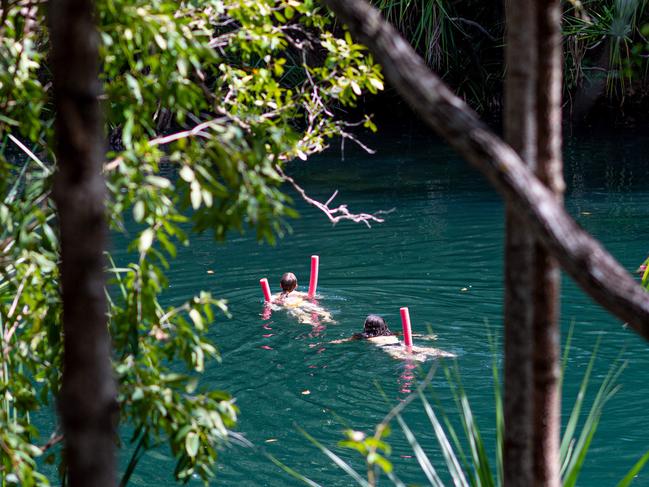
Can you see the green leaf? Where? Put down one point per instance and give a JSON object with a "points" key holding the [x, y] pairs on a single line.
{"points": [[138, 211], [376, 83], [196, 318], [146, 240], [195, 195], [134, 86], [191, 444], [186, 173], [383, 463]]}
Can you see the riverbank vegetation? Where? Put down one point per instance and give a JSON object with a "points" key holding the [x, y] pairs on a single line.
{"points": [[464, 449], [605, 53]]}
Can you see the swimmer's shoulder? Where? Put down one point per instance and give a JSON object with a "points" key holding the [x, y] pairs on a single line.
{"points": [[292, 300], [384, 340]]}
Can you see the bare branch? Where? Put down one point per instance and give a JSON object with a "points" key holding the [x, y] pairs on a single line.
{"points": [[198, 130], [476, 25], [55, 439], [335, 214]]}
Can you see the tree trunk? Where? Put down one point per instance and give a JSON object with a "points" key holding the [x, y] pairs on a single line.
{"points": [[87, 402], [580, 255], [520, 134], [547, 349]]}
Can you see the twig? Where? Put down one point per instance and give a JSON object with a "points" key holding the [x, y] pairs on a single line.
{"points": [[334, 214], [476, 25], [198, 130], [29, 153], [54, 439]]}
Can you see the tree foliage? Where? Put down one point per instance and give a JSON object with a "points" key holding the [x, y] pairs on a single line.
{"points": [[220, 92], [463, 41]]}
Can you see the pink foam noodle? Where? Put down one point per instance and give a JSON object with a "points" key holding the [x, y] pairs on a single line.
{"points": [[405, 323], [265, 287], [313, 282]]}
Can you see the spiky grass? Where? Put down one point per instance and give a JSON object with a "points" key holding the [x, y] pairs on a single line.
{"points": [[465, 455]]}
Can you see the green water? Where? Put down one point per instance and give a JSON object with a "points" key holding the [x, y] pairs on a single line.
{"points": [[445, 235]]}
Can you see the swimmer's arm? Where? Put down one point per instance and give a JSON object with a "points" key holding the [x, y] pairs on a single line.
{"points": [[432, 352], [344, 340], [431, 336]]}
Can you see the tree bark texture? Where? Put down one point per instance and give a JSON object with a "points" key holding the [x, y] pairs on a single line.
{"points": [[580, 255], [520, 134], [87, 401], [547, 342]]}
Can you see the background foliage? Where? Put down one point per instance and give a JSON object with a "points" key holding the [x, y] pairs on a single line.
{"points": [[606, 50]]}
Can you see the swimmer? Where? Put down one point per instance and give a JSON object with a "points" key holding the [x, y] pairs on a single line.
{"points": [[297, 303], [289, 296], [376, 331]]}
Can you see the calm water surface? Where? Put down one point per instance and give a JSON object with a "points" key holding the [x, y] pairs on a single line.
{"points": [[444, 236]]}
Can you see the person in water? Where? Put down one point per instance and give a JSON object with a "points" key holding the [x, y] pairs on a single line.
{"points": [[288, 283], [297, 303], [376, 330]]}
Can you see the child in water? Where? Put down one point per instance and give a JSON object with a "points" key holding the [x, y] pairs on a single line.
{"points": [[376, 331], [297, 304]]}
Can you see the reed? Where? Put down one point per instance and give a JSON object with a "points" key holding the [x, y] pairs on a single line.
{"points": [[465, 452]]}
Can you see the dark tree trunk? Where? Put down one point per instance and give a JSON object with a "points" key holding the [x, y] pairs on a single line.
{"points": [[579, 254], [520, 134], [87, 402], [547, 350]]}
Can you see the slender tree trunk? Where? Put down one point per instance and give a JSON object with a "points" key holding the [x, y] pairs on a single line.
{"points": [[520, 134], [547, 350], [87, 402]]}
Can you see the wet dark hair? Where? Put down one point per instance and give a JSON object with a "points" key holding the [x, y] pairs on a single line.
{"points": [[374, 326], [288, 282]]}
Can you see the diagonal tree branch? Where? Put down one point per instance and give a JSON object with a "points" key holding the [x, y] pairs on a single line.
{"points": [[334, 214], [580, 255]]}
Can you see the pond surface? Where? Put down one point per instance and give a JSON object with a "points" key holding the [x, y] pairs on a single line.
{"points": [[440, 254]]}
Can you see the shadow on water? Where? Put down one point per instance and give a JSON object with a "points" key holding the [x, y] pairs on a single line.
{"points": [[439, 253]]}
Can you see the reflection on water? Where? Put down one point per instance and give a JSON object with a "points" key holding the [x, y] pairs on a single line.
{"points": [[440, 254]]}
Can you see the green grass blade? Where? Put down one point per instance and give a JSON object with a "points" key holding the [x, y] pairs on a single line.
{"points": [[447, 450], [635, 470], [395, 480], [605, 392], [571, 426], [566, 353], [480, 460], [290, 471], [421, 456], [454, 437], [336, 459], [120, 282], [498, 397]]}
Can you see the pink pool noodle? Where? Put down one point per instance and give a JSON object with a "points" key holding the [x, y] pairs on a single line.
{"points": [[313, 282], [265, 287], [405, 323]]}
